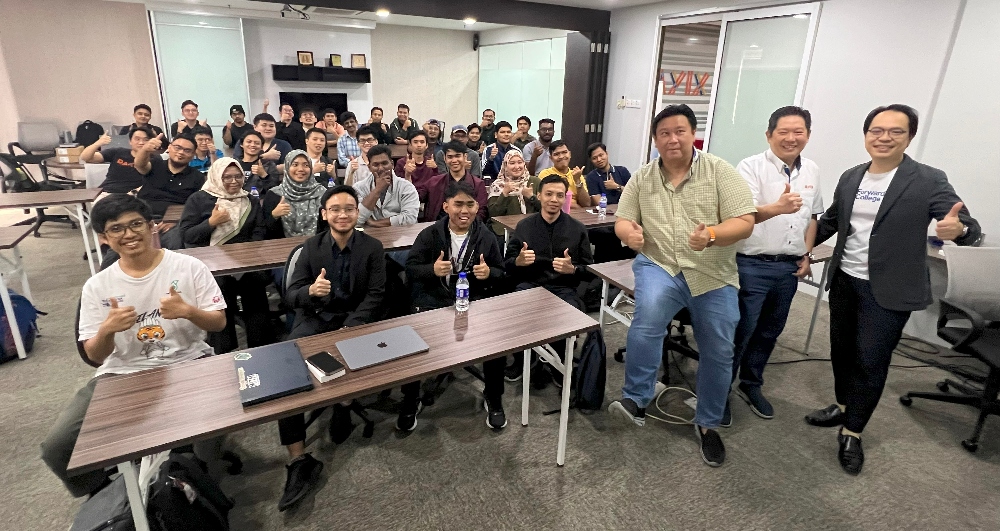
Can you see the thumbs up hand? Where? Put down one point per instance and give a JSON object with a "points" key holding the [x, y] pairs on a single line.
{"points": [[635, 239], [950, 227], [442, 267], [564, 264], [219, 216], [283, 209], [119, 319], [699, 238], [153, 145], [790, 202], [173, 306], [354, 164], [526, 257], [321, 287], [410, 166], [494, 151], [481, 271]]}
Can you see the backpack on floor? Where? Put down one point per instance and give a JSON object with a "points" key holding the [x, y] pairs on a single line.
{"points": [[590, 373], [26, 315], [107, 510], [88, 132], [183, 497]]}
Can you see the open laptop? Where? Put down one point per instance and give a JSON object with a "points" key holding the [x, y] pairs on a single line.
{"points": [[380, 347], [269, 372]]}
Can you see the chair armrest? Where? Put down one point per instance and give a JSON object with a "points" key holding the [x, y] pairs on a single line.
{"points": [[12, 145], [954, 310]]}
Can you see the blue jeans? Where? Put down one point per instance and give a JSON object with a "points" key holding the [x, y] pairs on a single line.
{"points": [[658, 297], [766, 293]]}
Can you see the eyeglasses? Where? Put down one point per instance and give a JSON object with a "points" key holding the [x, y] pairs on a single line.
{"points": [[203, 140], [338, 211], [186, 151], [138, 226], [877, 132], [233, 179], [368, 141]]}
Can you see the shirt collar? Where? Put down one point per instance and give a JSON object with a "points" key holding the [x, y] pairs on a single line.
{"points": [[350, 243], [780, 164]]}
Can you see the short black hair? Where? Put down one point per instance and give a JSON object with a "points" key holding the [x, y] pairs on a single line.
{"points": [[910, 112], [143, 128], [674, 110], [790, 110], [415, 134], [315, 130], [455, 146], [554, 178], [379, 109], [489, 110], [282, 104], [595, 146], [345, 116], [367, 130], [115, 206], [504, 123], [526, 119], [546, 121], [186, 103], [263, 117], [329, 111], [455, 188], [470, 127], [380, 149], [339, 189], [556, 145], [185, 136], [403, 106], [307, 109], [202, 130], [252, 133], [142, 106]]}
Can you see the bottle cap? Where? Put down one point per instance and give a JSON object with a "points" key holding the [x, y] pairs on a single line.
{"points": [[461, 275]]}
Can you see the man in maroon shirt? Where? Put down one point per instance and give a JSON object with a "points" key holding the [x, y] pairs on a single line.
{"points": [[418, 165], [432, 190]]}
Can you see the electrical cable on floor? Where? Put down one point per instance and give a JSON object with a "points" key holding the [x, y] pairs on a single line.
{"points": [[671, 418]]}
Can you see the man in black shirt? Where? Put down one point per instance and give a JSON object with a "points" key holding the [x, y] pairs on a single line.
{"points": [[122, 177], [167, 182], [189, 110], [403, 126], [235, 129], [141, 113], [289, 130], [381, 130]]}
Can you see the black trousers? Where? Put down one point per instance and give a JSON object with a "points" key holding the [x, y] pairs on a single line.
{"points": [[607, 246], [862, 338], [251, 288], [293, 429]]}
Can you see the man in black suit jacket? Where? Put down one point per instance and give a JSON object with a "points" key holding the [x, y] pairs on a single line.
{"points": [[881, 210], [338, 281]]}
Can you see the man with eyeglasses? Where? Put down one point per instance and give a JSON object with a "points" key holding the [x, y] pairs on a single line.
{"points": [[357, 167], [338, 281], [879, 270], [536, 152], [205, 152], [167, 182], [151, 308]]}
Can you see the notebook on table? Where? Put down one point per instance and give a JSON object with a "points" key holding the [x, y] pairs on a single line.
{"points": [[380, 347], [270, 372]]}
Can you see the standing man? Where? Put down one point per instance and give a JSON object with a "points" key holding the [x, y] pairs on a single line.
{"points": [[559, 152], [522, 137], [605, 178], [432, 190], [347, 144], [289, 130], [237, 127], [879, 271], [494, 153], [403, 126], [418, 166], [122, 177], [141, 114], [385, 200], [472, 161], [488, 126], [536, 152], [786, 191], [683, 213], [381, 130], [189, 110]]}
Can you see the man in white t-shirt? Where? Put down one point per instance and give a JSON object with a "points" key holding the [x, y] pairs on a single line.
{"points": [[151, 308], [879, 275], [785, 188]]}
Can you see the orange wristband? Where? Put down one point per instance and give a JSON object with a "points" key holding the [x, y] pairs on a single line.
{"points": [[711, 236]]}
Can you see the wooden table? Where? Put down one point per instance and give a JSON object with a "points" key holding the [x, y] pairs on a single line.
{"points": [[64, 198], [12, 265], [244, 257], [398, 151], [53, 162], [172, 214], [138, 414]]}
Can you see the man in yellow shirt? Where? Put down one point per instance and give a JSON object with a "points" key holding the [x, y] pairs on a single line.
{"points": [[560, 155]]}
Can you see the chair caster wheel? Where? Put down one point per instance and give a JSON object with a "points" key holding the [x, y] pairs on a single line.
{"points": [[969, 445], [905, 400], [942, 386], [73, 226]]}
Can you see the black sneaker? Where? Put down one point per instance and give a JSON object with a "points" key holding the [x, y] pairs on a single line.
{"points": [[727, 416], [755, 399], [713, 452], [496, 419], [850, 455], [341, 425], [302, 475], [407, 420], [540, 377], [515, 371], [627, 409]]}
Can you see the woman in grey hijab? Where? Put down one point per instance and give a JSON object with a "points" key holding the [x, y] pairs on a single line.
{"points": [[292, 207]]}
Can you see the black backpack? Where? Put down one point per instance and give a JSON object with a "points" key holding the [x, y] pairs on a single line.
{"points": [[590, 373], [185, 498], [88, 132]]}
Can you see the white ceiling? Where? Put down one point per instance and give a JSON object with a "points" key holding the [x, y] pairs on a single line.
{"points": [[606, 5]]}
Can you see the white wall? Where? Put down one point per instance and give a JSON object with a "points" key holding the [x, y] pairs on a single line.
{"points": [[518, 34], [8, 107]]}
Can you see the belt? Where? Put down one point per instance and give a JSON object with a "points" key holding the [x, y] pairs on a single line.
{"points": [[772, 257]]}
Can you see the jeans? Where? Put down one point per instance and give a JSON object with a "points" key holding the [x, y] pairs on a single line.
{"points": [[714, 315], [766, 293]]}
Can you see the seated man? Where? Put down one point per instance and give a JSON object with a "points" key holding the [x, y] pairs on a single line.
{"points": [[386, 200], [494, 153], [141, 114], [288, 129], [381, 129], [333, 131], [205, 152], [403, 127], [189, 110], [522, 137], [236, 128], [167, 182], [122, 177], [324, 169], [347, 144], [419, 165], [151, 308], [473, 163], [432, 191], [433, 129], [274, 149], [357, 169], [560, 155], [307, 120], [455, 244], [258, 172], [338, 281]]}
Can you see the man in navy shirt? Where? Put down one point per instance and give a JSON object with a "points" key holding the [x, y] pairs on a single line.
{"points": [[605, 178]]}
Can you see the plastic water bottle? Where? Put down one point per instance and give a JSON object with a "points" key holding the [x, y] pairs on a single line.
{"points": [[330, 183], [602, 207], [254, 193], [462, 293], [569, 201]]}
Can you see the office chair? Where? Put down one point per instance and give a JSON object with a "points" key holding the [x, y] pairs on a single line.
{"points": [[973, 301], [76, 338], [36, 142], [675, 341]]}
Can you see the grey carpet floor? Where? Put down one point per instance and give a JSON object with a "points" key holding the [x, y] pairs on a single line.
{"points": [[453, 473]]}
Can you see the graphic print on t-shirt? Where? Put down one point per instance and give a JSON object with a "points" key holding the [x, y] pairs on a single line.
{"points": [[151, 334], [872, 196]]}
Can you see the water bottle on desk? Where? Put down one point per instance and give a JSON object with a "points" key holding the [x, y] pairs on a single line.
{"points": [[330, 183], [255, 194], [568, 203], [602, 207], [462, 293]]}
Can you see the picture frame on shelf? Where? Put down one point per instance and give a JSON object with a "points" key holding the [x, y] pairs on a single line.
{"points": [[335, 60], [305, 58], [358, 60]]}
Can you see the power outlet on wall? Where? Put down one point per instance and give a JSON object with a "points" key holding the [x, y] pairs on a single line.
{"points": [[631, 104]]}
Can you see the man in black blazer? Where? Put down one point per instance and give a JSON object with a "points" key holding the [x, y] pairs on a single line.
{"points": [[881, 210], [338, 281]]}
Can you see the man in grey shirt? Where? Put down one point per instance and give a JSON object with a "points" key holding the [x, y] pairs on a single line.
{"points": [[536, 152], [383, 199], [473, 161]]}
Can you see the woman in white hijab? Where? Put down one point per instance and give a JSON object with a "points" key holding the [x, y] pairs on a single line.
{"points": [[512, 192], [220, 213]]}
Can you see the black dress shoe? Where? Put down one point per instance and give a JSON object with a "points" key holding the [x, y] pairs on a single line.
{"points": [[851, 455], [827, 417]]}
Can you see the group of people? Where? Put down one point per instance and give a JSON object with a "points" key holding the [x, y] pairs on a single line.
{"points": [[728, 243]]}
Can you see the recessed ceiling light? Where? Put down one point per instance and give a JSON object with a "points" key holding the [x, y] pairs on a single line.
{"points": [[203, 23], [754, 46], [800, 15], [382, 13], [692, 39], [468, 21]]}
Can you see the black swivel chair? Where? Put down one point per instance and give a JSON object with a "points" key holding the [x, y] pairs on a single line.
{"points": [[973, 302], [36, 142]]}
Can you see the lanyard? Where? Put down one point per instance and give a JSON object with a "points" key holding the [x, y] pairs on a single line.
{"points": [[461, 250]]}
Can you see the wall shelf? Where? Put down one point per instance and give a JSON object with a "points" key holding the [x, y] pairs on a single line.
{"points": [[323, 74]]}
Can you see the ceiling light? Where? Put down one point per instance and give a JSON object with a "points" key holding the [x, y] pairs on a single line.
{"points": [[692, 39], [754, 46], [800, 15], [468, 21], [384, 13], [203, 23]]}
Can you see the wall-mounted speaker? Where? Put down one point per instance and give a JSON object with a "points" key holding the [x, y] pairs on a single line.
{"points": [[475, 41]]}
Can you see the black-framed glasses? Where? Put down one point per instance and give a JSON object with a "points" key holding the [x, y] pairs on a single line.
{"points": [[336, 211], [138, 226], [896, 132]]}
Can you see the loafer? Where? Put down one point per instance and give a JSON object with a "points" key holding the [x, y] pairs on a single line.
{"points": [[827, 417], [713, 452], [850, 455], [755, 399]]}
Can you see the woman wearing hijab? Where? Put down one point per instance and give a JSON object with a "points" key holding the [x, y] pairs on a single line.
{"points": [[512, 192], [220, 213], [292, 207]]}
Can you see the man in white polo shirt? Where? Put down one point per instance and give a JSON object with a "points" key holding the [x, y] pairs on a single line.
{"points": [[785, 188]]}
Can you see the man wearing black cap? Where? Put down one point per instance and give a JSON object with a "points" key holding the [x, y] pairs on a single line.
{"points": [[473, 163], [237, 127]]}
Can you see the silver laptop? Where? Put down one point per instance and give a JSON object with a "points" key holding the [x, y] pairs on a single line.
{"points": [[380, 347], [119, 141]]}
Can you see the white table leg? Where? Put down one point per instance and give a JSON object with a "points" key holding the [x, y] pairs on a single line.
{"points": [[819, 299], [564, 409], [19, 266], [86, 239], [11, 318], [135, 501], [605, 287], [525, 376]]}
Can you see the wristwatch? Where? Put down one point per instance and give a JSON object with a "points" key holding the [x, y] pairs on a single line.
{"points": [[711, 237]]}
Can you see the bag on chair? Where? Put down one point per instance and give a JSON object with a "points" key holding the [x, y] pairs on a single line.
{"points": [[183, 497], [88, 132], [590, 373]]}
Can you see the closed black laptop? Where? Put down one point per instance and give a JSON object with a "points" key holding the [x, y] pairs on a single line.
{"points": [[273, 371]]}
